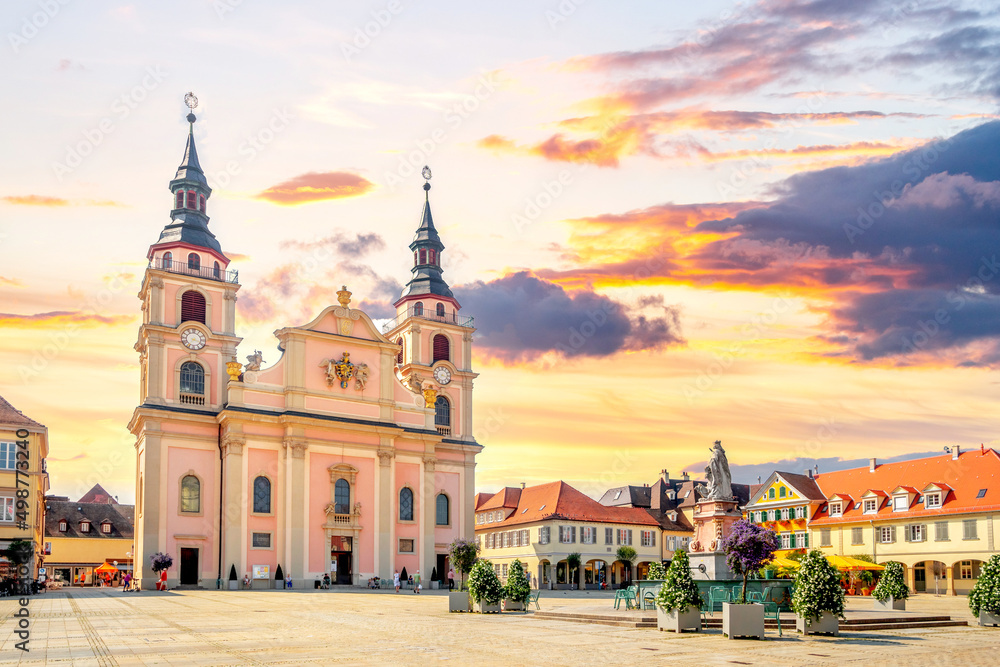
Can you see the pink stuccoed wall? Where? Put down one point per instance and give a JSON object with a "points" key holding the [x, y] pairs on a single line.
{"points": [[207, 359], [449, 483], [321, 493], [180, 460], [407, 474], [215, 298], [318, 350], [262, 462]]}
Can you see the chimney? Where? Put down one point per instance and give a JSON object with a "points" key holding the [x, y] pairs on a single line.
{"points": [[665, 476], [815, 470], [955, 451], [809, 473], [685, 476], [758, 479], [522, 485], [872, 464]]}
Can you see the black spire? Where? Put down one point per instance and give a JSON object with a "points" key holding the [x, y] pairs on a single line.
{"points": [[189, 187], [426, 247]]}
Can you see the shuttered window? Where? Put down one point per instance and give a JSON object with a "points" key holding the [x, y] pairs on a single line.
{"points": [[193, 307], [442, 348]]}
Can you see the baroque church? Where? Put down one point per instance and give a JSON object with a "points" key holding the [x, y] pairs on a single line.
{"points": [[352, 455]]}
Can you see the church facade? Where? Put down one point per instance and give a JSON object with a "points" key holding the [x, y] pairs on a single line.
{"points": [[351, 455]]}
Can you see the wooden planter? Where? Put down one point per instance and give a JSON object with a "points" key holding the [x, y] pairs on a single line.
{"points": [[679, 621], [988, 618], [484, 607], [742, 620], [459, 601], [826, 624], [890, 604]]}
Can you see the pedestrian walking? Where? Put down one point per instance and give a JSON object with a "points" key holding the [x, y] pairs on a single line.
{"points": [[451, 579], [395, 580], [126, 580], [416, 583]]}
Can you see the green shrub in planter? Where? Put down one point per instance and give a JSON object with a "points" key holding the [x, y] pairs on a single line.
{"points": [[678, 591], [985, 595], [891, 584], [817, 587], [517, 589], [484, 585]]}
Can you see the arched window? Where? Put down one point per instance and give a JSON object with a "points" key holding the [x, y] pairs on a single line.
{"points": [[192, 378], [418, 309], [192, 200], [440, 310], [342, 497], [179, 201], [432, 256], [770, 494], [443, 517], [201, 203], [194, 261], [190, 494], [416, 258], [215, 270], [168, 258], [405, 504], [442, 348], [423, 256], [781, 492], [262, 495], [442, 411], [193, 307], [399, 355]]}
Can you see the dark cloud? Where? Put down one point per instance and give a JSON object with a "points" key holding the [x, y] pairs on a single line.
{"points": [[748, 474], [520, 317], [340, 242]]}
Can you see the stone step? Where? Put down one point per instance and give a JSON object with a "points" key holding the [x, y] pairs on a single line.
{"points": [[850, 625]]}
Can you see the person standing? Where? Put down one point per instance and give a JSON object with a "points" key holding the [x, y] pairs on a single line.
{"points": [[125, 581], [416, 583], [451, 579], [395, 580]]}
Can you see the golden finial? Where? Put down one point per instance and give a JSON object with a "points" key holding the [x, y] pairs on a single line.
{"points": [[344, 297]]}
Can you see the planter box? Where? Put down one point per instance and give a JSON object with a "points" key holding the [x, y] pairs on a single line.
{"points": [[435, 585], [679, 621], [459, 602], [513, 605], [986, 618], [279, 585], [826, 624], [485, 608], [890, 604], [742, 620], [233, 585]]}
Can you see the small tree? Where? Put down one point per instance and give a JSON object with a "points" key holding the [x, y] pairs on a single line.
{"points": [[278, 574], [748, 547], [484, 584], [19, 551], [160, 561], [463, 555], [517, 588], [626, 555], [891, 584], [817, 588], [656, 571], [572, 566], [678, 590], [232, 572], [985, 595]]}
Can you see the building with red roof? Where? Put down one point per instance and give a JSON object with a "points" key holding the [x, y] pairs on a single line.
{"points": [[937, 516], [24, 444], [542, 525]]}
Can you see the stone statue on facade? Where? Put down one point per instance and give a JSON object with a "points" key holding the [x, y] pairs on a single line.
{"points": [[720, 480], [254, 361]]}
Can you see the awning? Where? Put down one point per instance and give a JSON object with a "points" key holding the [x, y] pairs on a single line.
{"points": [[848, 563], [106, 567], [783, 562]]}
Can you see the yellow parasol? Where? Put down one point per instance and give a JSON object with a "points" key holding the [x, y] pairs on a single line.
{"points": [[848, 563], [783, 562]]}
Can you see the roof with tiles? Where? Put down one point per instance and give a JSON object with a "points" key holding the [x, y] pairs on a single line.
{"points": [[973, 478], [559, 500], [506, 497], [98, 495], [11, 415], [121, 518]]}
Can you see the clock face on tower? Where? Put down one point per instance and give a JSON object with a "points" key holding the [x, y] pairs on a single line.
{"points": [[193, 339], [442, 374]]}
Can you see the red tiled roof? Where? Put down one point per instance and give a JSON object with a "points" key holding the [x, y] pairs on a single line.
{"points": [[482, 498], [507, 497], [11, 415], [560, 500], [966, 476], [98, 495]]}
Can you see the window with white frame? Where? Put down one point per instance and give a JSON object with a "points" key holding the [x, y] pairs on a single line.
{"points": [[784, 514], [106, 528], [836, 509], [965, 570], [672, 542], [900, 503], [871, 506], [567, 534], [825, 539], [62, 526], [969, 531], [515, 538], [525, 538], [887, 534], [624, 536], [941, 531], [786, 540], [932, 501], [648, 538], [857, 535], [84, 526], [802, 540], [503, 570], [917, 532], [544, 534], [756, 517], [588, 535], [7, 457], [6, 508]]}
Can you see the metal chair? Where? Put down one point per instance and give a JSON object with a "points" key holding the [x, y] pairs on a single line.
{"points": [[755, 596], [533, 598], [718, 594]]}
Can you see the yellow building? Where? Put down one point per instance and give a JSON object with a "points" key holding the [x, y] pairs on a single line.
{"points": [[84, 535], [785, 503], [937, 516], [24, 444], [542, 525]]}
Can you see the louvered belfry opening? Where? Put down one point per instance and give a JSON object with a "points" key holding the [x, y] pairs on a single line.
{"points": [[399, 355], [193, 307], [442, 348]]}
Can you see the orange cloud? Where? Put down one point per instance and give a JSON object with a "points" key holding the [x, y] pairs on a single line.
{"points": [[12, 282], [62, 318], [317, 186], [237, 257], [35, 200]]}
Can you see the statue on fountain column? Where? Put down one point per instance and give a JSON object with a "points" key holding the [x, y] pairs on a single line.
{"points": [[720, 480]]}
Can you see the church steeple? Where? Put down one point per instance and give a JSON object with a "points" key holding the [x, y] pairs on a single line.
{"points": [[427, 277], [188, 218]]}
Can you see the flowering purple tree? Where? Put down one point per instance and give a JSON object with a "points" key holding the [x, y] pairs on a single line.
{"points": [[160, 561], [749, 547]]}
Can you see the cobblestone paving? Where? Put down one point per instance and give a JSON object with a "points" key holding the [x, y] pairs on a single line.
{"points": [[106, 627]]}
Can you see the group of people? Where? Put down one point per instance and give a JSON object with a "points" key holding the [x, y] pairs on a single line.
{"points": [[11, 586], [413, 581]]}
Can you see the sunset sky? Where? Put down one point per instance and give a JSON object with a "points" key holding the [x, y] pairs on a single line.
{"points": [[772, 223]]}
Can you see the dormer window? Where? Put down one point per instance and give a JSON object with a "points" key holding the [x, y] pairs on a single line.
{"points": [[62, 526], [106, 527], [836, 509], [84, 526], [900, 503], [871, 506], [932, 501]]}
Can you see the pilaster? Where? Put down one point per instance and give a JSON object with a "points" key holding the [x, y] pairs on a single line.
{"points": [[428, 514], [234, 504], [387, 501], [295, 452]]}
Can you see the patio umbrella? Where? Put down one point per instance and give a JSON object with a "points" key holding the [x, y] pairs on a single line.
{"points": [[784, 562], [849, 563], [106, 567]]}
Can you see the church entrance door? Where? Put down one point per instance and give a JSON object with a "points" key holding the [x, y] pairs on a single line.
{"points": [[340, 560], [189, 567]]}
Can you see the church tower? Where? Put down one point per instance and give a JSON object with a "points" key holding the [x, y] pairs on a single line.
{"points": [[435, 342]]}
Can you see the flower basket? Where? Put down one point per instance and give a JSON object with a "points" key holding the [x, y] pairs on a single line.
{"points": [[984, 599], [818, 600]]}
